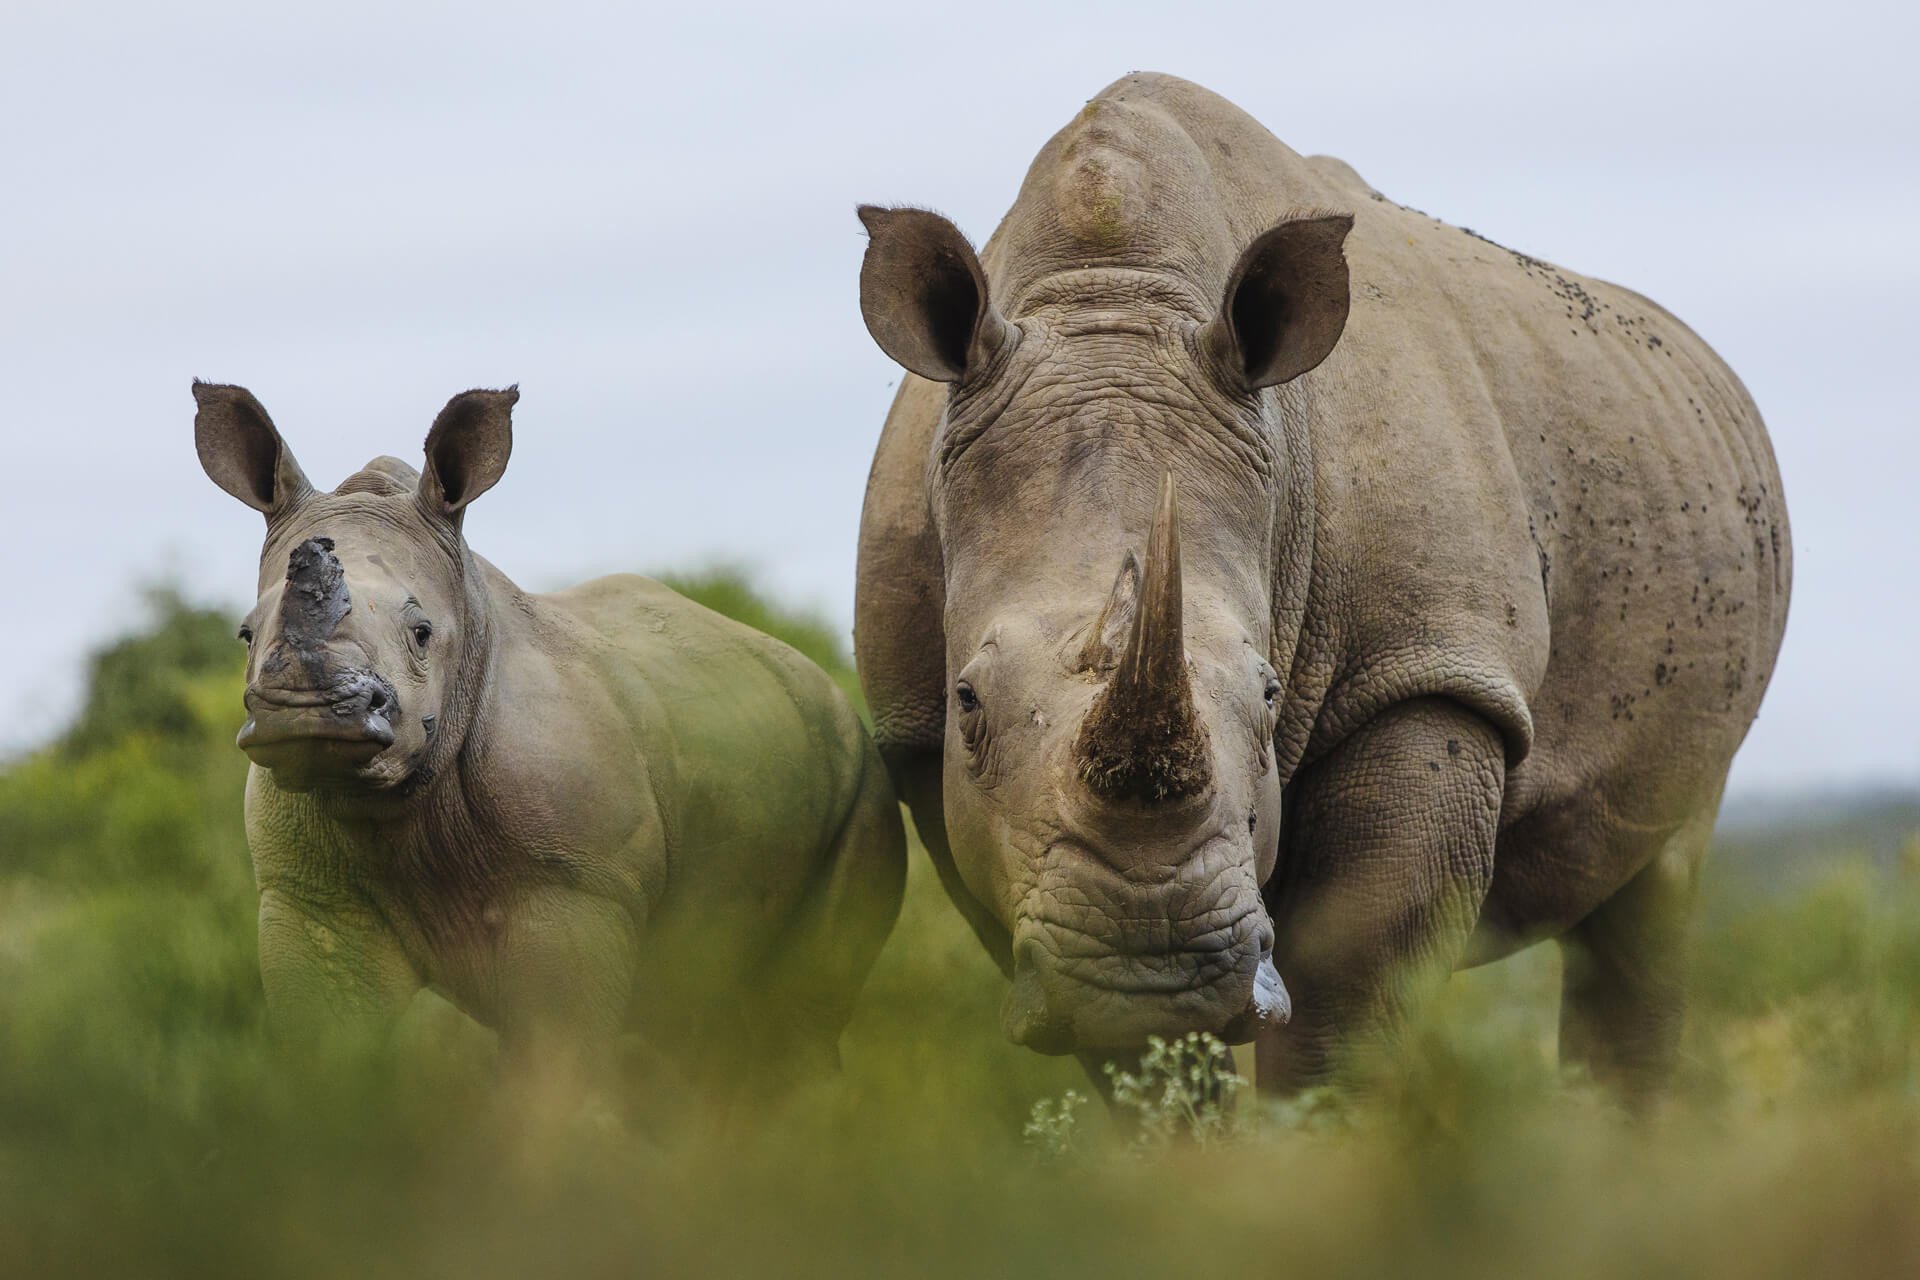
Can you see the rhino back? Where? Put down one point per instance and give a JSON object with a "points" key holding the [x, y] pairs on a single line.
{"points": [[1536, 491], [751, 754], [1560, 473]]}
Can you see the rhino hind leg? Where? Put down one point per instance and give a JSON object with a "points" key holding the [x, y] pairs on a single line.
{"points": [[1623, 991], [822, 960]]}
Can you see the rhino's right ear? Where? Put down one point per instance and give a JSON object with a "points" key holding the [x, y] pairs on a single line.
{"points": [[242, 451], [924, 295]]}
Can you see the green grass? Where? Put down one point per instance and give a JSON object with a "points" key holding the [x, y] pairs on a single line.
{"points": [[146, 1128]]}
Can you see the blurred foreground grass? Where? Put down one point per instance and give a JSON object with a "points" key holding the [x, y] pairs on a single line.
{"points": [[145, 1128]]}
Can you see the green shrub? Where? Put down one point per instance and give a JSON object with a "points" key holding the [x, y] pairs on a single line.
{"points": [[147, 1128]]}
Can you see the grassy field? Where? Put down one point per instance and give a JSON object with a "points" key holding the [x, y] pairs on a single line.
{"points": [[147, 1129]]}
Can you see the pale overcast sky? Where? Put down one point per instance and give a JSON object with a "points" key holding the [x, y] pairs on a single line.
{"points": [[644, 216]]}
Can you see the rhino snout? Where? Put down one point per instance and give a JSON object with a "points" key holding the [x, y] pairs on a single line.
{"points": [[338, 728], [1069, 995]]}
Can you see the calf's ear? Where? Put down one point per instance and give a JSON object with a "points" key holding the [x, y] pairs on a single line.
{"points": [[467, 449], [242, 451], [1286, 301], [924, 295]]}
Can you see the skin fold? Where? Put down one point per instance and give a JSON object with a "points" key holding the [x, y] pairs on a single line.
{"points": [[609, 823], [1483, 567]]}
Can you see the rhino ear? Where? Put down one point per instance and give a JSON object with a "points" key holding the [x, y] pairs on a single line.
{"points": [[924, 295], [1286, 301], [467, 449], [242, 451]]}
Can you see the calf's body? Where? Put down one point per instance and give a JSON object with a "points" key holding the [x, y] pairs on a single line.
{"points": [[585, 818]]}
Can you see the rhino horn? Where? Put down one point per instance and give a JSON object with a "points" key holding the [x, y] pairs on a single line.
{"points": [[1142, 738], [316, 596], [1102, 649]]}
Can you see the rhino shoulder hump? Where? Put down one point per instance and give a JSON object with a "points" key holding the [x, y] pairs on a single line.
{"points": [[1340, 173]]}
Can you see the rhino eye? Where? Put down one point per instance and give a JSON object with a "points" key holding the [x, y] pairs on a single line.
{"points": [[1272, 690], [246, 636], [421, 634], [963, 694]]}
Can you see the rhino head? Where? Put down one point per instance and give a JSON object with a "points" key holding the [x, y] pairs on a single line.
{"points": [[1105, 489], [367, 644]]}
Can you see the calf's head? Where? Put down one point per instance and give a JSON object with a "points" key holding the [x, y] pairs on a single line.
{"points": [[367, 644], [1110, 786]]}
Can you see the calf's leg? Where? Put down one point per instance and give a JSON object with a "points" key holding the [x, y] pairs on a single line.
{"points": [[329, 963], [566, 966]]}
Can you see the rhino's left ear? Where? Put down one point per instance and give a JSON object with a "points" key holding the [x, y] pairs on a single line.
{"points": [[467, 449], [1286, 301]]}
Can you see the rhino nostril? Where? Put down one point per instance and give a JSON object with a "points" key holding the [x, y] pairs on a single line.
{"points": [[377, 701]]}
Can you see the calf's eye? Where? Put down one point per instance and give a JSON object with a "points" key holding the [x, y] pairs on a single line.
{"points": [[963, 694], [421, 634], [1272, 690]]}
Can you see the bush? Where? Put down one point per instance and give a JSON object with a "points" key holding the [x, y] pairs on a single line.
{"points": [[147, 1128]]}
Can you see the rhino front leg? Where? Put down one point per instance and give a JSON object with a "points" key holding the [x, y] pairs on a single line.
{"points": [[566, 962], [1387, 857], [330, 963]]}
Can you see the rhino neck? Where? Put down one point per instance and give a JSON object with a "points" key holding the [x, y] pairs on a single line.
{"points": [[1291, 411]]}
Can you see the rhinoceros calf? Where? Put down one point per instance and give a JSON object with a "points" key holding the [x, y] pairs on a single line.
{"points": [[576, 815], [1462, 577]]}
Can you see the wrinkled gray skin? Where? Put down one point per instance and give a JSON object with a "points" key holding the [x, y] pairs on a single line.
{"points": [[1479, 570], [607, 822]]}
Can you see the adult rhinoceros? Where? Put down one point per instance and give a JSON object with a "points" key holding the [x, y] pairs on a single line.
{"points": [[1254, 567], [576, 815]]}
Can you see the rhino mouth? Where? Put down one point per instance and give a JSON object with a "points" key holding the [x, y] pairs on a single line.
{"points": [[1072, 991], [307, 736]]}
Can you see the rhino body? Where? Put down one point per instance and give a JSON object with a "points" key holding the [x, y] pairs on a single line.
{"points": [[1505, 544], [611, 824]]}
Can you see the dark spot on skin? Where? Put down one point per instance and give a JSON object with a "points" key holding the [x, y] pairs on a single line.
{"points": [[1434, 765], [1453, 746]]}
